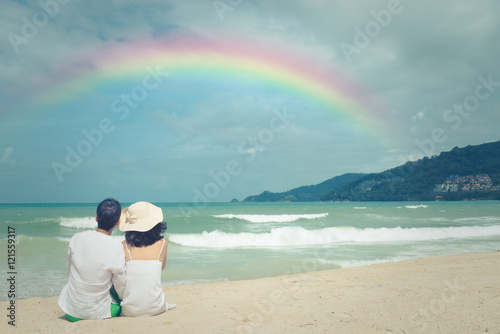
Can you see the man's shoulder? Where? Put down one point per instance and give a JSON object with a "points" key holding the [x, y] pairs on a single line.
{"points": [[85, 234], [97, 239], [92, 236]]}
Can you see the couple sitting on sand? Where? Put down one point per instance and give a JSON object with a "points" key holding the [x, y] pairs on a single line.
{"points": [[106, 277]]}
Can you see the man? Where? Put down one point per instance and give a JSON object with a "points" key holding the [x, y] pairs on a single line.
{"points": [[96, 264]]}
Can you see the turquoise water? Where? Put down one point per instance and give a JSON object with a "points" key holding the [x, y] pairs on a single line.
{"points": [[233, 241]]}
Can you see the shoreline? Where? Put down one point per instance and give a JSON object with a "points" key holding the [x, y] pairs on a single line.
{"points": [[451, 293]]}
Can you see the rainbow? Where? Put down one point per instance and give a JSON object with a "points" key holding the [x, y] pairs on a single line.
{"points": [[287, 69]]}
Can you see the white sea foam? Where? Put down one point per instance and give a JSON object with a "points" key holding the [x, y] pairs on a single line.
{"points": [[64, 239], [80, 222], [382, 217], [415, 206], [193, 281], [272, 218], [298, 236], [360, 208], [485, 219], [359, 263], [43, 220], [432, 219]]}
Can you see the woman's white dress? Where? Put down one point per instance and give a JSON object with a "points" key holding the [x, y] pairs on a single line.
{"points": [[143, 294]]}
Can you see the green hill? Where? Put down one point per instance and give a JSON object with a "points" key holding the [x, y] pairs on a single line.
{"points": [[474, 172], [306, 193]]}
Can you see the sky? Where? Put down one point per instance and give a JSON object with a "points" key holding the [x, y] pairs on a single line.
{"points": [[205, 101]]}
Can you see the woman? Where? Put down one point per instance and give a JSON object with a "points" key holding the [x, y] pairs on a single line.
{"points": [[146, 257]]}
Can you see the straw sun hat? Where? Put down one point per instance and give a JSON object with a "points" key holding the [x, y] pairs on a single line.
{"points": [[140, 217]]}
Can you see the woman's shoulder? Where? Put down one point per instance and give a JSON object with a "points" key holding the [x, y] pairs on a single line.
{"points": [[159, 244]]}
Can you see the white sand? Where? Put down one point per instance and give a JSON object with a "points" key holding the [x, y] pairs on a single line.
{"points": [[449, 294]]}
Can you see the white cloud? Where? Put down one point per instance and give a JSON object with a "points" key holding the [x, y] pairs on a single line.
{"points": [[6, 158], [418, 115]]}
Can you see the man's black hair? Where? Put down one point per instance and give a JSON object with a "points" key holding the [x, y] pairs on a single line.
{"points": [[108, 213], [142, 239]]}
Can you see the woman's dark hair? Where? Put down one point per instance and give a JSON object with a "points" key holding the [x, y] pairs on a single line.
{"points": [[108, 213], [142, 239]]}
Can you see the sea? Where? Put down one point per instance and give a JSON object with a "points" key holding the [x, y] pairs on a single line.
{"points": [[240, 241]]}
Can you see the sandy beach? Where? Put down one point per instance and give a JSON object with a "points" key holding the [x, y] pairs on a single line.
{"points": [[448, 294]]}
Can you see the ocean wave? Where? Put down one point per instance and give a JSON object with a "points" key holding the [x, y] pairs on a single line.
{"points": [[43, 220], [435, 219], [382, 217], [485, 219], [415, 206], [193, 281], [272, 218], [29, 242], [66, 240], [80, 222], [298, 236], [359, 263]]}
